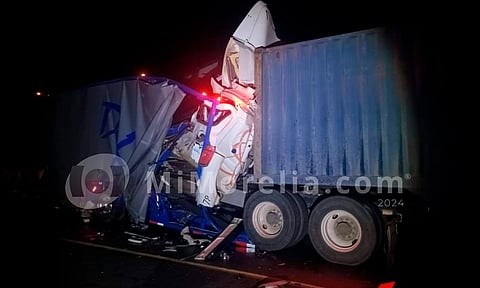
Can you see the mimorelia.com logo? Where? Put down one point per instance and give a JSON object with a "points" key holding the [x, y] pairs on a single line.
{"points": [[97, 181]]}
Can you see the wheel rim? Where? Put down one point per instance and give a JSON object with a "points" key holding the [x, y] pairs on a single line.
{"points": [[267, 220], [341, 231]]}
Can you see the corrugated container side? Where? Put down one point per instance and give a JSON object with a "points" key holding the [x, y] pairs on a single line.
{"points": [[336, 107]]}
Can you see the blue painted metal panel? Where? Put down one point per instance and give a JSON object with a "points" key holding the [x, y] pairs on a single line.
{"points": [[335, 106]]}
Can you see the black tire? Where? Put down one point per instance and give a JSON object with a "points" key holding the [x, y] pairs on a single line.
{"points": [[301, 218], [380, 224], [269, 220], [343, 230]]}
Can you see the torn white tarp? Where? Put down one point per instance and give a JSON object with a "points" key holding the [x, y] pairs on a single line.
{"points": [[256, 30]]}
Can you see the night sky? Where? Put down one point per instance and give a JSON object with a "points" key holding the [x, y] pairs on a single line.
{"points": [[59, 47]]}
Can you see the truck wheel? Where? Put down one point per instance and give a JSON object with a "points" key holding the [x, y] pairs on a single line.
{"points": [[268, 219], [343, 231], [380, 224], [301, 218]]}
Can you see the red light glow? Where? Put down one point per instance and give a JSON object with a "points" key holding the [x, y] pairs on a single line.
{"points": [[387, 285]]}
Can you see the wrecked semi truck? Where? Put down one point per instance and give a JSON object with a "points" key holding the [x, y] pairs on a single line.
{"points": [[313, 138], [323, 144]]}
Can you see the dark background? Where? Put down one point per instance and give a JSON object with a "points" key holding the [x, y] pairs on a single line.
{"points": [[57, 47]]}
